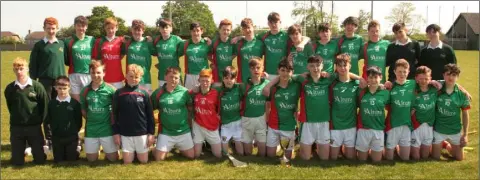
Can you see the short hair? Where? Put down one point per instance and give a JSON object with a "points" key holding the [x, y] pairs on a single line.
{"points": [[373, 23], [434, 27], [402, 63], [296, 28], [342, 59], [225, 22], [423, 70], [206, 73], [273, 17], [398, 26], [82, 20], [350, 20], [136, 69], [194, 25], [230, 71], [255, 61], [164, 22], [50, 21], [19, 62], [138, 24], [110, 20], [374, 71], [451, 69], [324, 27], [96, 64], [173, 69], [59, 79], [246, 22], [285, 63], [315, 59]]}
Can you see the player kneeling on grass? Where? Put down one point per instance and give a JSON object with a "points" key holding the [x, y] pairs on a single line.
{"points": [[96, 102], [172, 101], [133, 125], [64, 118], [230, 97], [205, 126], [371, 117], [283, 96], [448, 125]]}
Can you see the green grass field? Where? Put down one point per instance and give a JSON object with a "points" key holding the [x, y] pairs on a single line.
{"points": [[207, 167]]}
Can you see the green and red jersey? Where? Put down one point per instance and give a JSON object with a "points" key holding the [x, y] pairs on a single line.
{"points": [[79, 54], [314, 104], [98, 105], [195, 56], [300, 59], [206, 109], [402, 99], [424, 106], [373, 54], [283, 106], [173, 111], [275, 49], [111, 52], [167, 52], [253, 103], [351, 46], [245, 51], [372, 109], [448, 111], [343, 100], [327, 52], [230, 104], [140, 53], [222, 56]]}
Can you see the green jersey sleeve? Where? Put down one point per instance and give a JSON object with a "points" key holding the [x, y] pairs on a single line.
{"points": [[298, 78], [180, 48]]}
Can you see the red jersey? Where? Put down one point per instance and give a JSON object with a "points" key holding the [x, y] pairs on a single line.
{"points": [[206, 109], [111, 53]]}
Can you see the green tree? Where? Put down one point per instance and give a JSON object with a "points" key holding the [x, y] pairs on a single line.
{"points": [[404, 12], [313, 16], [65, 32], [151, 31], [95, 22], [363, 20], [186, 12]]}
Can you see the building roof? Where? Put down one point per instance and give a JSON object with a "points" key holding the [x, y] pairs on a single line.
{"points": [[472, 19], [37, 35], [8, 33]]}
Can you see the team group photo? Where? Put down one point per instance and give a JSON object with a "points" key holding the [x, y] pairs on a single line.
{"points": [[198, 95]]}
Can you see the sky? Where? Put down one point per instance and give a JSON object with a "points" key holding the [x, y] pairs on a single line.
{"points": [[21, 16]]}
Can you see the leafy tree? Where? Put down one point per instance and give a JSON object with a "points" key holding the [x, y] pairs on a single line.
{"points": [[95, 22], [186, 12], [404, 12], [313, 16], [363, 20], [151, 31], [65, 32]]}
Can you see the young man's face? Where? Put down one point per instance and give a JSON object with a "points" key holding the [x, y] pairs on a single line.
{"points": [[172, 79], [229, 81], [196, 32], [80, 28], [111, 29], [401, 73], [315, 68], [205, 82], [350, 28], [296, 37], [50, 29], [248, 31], [225, 31], [374, 80], [165, 31], [97, 74], [137, 32], [450, 78], [256, 71], [274, 26], [20, 71], [423, 79], [325, 35], [432, 35], [401, 34], [343, 68], [61, 89], [374, 32], [284, 73], [133, 79]]}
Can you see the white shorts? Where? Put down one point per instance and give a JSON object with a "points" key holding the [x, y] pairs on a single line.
{"points": [[231, 130], [117, 85], [343, 137], [78, 82], [92, 145], [272, 77], [201, 134], [254, 127], [183, 142], [148, 87], [369, 139], [161, 83], [132, 144], [423, 135], [454, 139], [273, 138], [398, 136], [315, 132], [191, 81]]}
